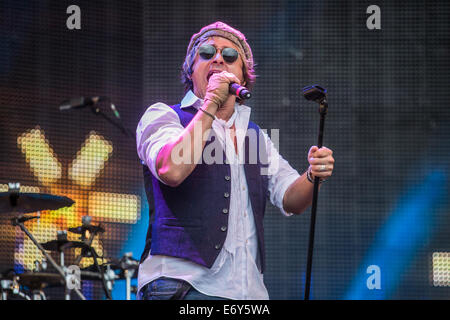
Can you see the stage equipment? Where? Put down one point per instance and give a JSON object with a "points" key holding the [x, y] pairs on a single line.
{"points": [[317, 94], [16, 202]]}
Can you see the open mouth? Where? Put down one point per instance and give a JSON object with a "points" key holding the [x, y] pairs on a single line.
{"points": [[211, 72]]}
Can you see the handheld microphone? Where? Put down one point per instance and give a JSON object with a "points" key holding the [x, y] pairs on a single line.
{"points": [[240, 91], [80, 102]]}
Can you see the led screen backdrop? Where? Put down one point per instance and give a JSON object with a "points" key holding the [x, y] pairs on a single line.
{"points": [[385, 210], [75, 153]]}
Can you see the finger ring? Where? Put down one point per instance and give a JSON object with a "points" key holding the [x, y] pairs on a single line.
{"points": [[323, 168]]}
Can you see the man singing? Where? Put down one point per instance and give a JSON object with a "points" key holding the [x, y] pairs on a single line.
{"points": [[206, 237]]}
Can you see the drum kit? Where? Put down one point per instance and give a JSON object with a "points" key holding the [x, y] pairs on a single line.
{"points": [[30, 285]]}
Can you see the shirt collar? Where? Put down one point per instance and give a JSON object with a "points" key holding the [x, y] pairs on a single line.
{"points": [[190, 99]]}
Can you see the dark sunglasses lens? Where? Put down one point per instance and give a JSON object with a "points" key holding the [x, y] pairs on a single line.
{"points": [[207, 52], [229, 55]]}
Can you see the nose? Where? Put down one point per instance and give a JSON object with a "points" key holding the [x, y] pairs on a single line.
{"points": [[218, 58]]}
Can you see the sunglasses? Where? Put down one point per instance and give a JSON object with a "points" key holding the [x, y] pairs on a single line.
{"points": [[208, 51]]}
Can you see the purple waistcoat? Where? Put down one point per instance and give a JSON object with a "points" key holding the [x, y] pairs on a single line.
{"points": [[191, 221]]}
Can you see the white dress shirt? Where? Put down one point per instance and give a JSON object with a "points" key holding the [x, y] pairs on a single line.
{"points": [[234, 274]]}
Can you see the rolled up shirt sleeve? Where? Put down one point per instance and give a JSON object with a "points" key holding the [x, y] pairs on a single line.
{"points": [[157, 127], [281, 175]]}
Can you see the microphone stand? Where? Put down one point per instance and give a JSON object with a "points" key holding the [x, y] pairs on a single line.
{"points": [[323, 107], [97, 111]]}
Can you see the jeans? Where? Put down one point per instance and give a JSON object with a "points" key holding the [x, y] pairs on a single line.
{"points": [[172, 289]]}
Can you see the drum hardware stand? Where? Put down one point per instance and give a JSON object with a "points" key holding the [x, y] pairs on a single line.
{"points": [[40, 266], [128, 270], [62, 235], [86, 221], [13, 286], [19, 221], [106, 277], [38, 294], [109, 277], [128, 275]]}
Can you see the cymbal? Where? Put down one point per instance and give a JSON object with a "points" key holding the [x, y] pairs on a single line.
{"points": [[60, 245], [91, 229], [40, 280], [31, 202]]}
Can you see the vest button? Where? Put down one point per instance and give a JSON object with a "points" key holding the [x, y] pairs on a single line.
{"points": [[217, 246], [227, 178], [223, 228], [225, 210], [226, 195]]}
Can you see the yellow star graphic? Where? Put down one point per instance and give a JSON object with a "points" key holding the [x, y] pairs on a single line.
{"points": [[83, 172]]}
